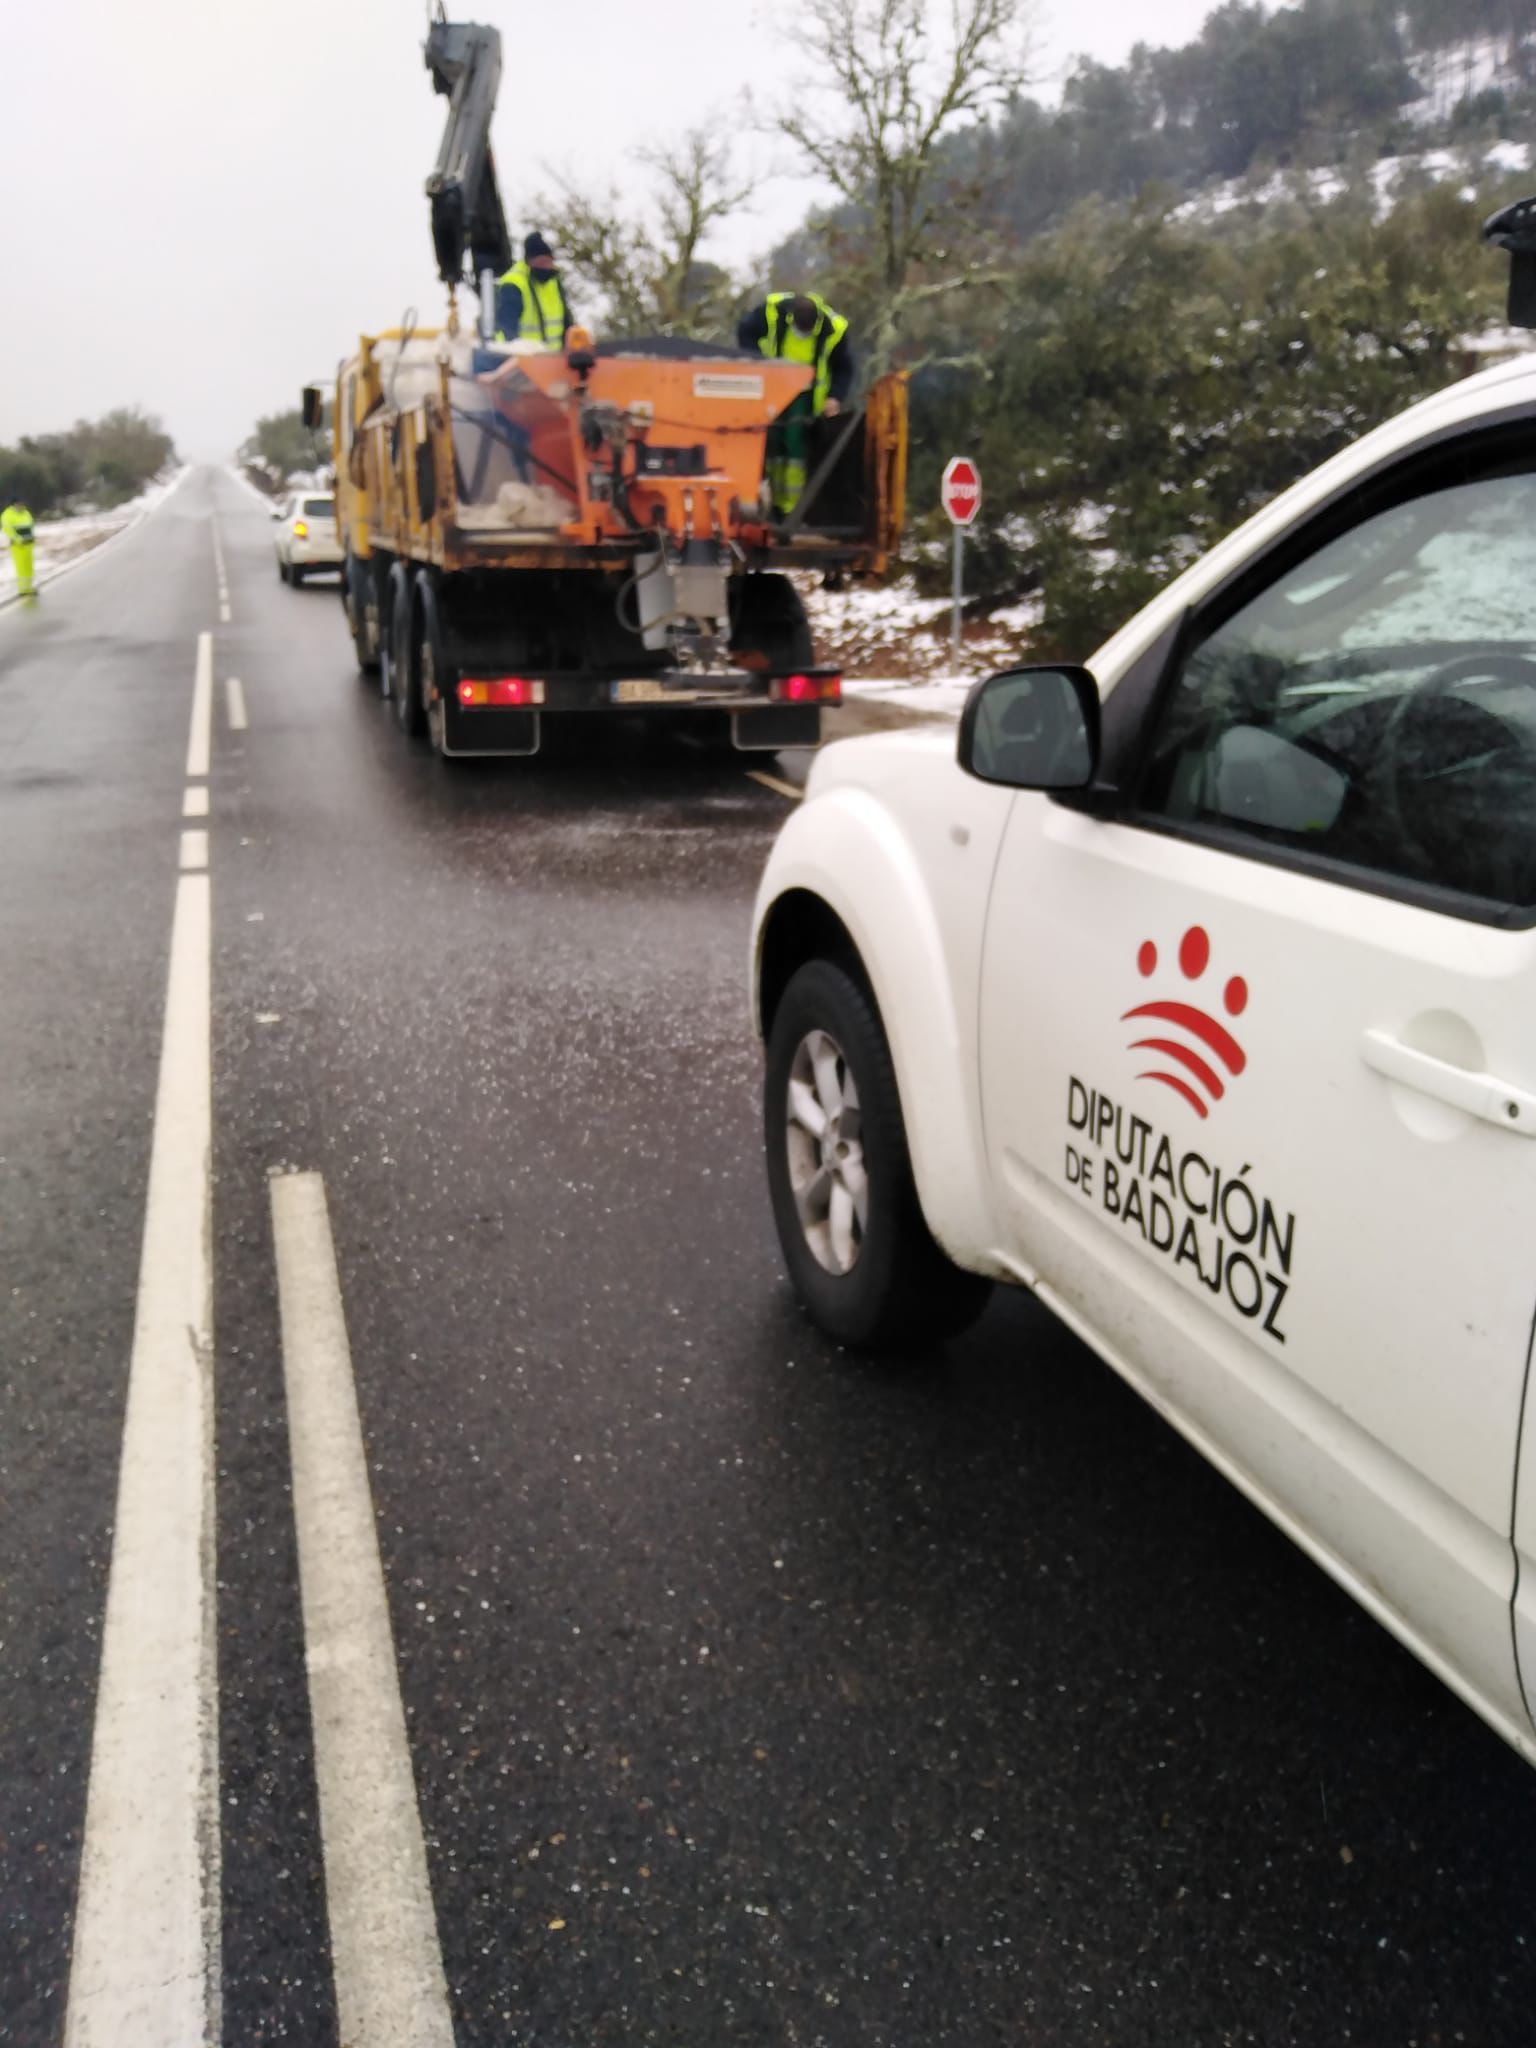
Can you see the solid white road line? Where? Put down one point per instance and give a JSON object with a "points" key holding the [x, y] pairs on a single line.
{"points": [[194, 850], [200, 737], [146, 1943], [234, 692], [194, 802], [773, 782], [390, 1988]]}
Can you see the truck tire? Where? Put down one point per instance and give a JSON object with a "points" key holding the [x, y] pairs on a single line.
{"points": [[282, 570], [431, 665], [295, 575], [859, 1253], [405, 673], [356, 580], [768, 619], [395, 582]]}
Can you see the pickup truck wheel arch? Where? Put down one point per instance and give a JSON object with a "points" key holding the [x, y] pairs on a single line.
{"points": [[802, 927]]}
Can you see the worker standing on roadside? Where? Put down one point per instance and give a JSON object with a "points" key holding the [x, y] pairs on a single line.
{"points": [[530, 299], [16, 527], [799, 327]]}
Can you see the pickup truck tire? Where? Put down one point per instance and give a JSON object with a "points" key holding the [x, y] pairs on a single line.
{"points": [[295, 575], [859, 1253]]}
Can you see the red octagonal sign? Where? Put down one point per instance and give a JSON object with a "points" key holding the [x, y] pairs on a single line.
{"points": [[960, 489]]}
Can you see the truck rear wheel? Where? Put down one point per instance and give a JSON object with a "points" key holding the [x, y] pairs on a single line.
{"points": [[405, 670], [362, 611], [859, 1252], [389, 616], [432, 674]]}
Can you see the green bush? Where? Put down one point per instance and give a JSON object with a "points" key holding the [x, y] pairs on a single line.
{"points": [[94, 464]]}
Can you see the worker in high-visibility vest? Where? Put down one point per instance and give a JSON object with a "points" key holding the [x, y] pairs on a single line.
{"points": [[799, 327], [530, 299], [16, 527]]}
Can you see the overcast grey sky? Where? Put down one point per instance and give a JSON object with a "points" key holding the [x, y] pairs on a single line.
{"points": [[206, 199]]}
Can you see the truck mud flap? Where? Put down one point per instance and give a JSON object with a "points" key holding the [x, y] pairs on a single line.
{"points": [[488, 730], [771, 726]]}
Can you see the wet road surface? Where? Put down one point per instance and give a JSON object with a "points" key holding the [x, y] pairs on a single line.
{"points": [[752, 1692]]}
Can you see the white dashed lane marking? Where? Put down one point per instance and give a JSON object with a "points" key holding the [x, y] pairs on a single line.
{"points": [[390, 1987], [199, 739]]}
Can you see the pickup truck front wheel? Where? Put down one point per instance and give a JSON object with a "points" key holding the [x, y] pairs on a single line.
{"points": [[858, 1250]]}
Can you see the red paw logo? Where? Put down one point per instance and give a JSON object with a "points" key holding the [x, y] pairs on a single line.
{"points": [[1197, 1079]]}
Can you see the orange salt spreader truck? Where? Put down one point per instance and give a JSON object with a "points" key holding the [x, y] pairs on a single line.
{"points": [[540, 533]]}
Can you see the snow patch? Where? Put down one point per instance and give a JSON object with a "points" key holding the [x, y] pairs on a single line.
{"points": [[891, 637]]}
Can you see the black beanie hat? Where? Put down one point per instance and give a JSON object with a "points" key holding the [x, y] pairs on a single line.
{"points": [[535, 245]]}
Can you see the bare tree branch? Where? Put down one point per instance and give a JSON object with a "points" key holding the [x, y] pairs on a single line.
{"points": [[884, 94], [639, 281]]}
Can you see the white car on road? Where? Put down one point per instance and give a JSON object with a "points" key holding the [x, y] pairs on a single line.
{"points": [[1198, 994], [306, 536]]}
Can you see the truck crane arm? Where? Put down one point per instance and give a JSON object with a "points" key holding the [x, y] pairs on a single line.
{"points": [[465, 62]]}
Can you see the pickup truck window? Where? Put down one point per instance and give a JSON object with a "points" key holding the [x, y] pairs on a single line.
{"points": [[1376, 703]]}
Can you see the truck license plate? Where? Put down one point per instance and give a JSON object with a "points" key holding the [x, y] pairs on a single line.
{"points": [[647, 690]]}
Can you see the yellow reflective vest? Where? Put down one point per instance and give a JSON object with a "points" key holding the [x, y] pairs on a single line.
{"points": [[545, 314], [785, 340], [16, 524]]}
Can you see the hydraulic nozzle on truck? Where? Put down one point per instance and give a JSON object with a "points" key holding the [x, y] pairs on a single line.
{"points": [[535, 533]]}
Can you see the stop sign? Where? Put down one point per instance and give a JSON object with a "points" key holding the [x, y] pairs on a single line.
{"points": [[960, 489]]}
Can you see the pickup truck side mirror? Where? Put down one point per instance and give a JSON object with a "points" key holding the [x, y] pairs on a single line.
{"points": [[1032, 728]]}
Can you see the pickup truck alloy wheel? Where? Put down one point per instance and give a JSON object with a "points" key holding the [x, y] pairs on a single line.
{"points": [[852, 1230], [826, 1152]]}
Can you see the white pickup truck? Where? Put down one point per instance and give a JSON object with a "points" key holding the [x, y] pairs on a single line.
{"points": [[1197, 991]]}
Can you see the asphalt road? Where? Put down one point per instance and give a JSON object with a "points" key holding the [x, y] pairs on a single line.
{"points": [[754, 1693]]}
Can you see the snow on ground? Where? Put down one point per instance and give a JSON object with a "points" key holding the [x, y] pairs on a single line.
{"points": [[63, 541], [1471, 163], [893, 635], [1457, 73], [937, 698]]}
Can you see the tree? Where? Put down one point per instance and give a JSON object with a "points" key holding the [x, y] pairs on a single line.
{"points": [[883, 96], [283, 446], [95, 463], [639, 282], [1154, 383]]}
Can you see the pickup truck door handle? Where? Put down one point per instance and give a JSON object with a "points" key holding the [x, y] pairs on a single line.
{"points": [[1484, 1095]]}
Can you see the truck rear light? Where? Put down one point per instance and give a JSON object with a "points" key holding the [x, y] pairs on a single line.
{"points": [[300, 530], [821, 689], [501, 690]]}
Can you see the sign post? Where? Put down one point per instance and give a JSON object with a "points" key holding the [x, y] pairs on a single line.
{"points": [[960, 495]]}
